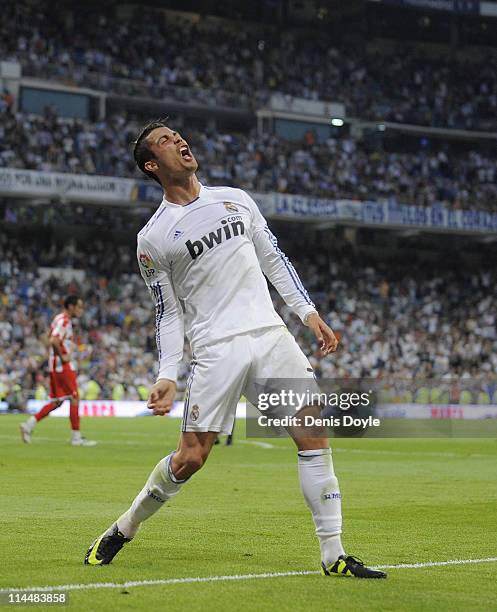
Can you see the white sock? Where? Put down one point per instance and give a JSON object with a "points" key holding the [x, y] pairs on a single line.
{"points": [[159, 488], [31, 422], [319, 486], [76, 435]]}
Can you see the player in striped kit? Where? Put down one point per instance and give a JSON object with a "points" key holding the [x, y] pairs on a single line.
{"points": [[63, 383], [205, 255]]}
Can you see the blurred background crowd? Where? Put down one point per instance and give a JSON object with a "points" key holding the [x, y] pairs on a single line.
{"points": [[418, 126], [142, 51], [339, 167], [396, 320]]}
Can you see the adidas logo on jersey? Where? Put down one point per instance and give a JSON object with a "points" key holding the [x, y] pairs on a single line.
{"points": [[225, 232]]}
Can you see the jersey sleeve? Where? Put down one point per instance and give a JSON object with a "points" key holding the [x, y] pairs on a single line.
{"points": [[276, 265], [169, 328]]}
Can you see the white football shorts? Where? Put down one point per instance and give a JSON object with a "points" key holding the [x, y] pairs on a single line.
{"points": [[224, 371]]}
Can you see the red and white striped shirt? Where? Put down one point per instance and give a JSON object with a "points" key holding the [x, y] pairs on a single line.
{"points": [[61, 328]]}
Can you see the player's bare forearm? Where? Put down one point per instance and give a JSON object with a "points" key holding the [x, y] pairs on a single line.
{"points": [[57, 346], [327, 340]]}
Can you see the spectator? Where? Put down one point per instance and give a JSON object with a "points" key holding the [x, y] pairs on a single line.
{"points": [[335, 168], [151, 53], [431, 323]]}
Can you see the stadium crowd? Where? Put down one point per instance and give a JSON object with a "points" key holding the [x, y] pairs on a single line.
{"points": [[147, 53], [395, 321], [339, 167]]}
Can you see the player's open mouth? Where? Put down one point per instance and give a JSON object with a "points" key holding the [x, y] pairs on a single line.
{"points": [[185, 153]]}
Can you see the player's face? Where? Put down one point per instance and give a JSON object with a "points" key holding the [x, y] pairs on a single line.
{"points": [[173, 157], [77, 309]]}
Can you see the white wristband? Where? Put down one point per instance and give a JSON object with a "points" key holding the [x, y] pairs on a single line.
{"points": [[306, 317]]}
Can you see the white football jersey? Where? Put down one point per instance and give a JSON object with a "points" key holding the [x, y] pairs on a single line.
{"points": [[204, 263]]}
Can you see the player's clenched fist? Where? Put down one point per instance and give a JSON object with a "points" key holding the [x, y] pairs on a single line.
{"points": [[161, 397]]}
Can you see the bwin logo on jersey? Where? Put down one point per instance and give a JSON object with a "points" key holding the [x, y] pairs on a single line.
{"points": [[227, 231]]}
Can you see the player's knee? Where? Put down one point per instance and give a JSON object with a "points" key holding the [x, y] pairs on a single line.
{"points": [[192, 460]]}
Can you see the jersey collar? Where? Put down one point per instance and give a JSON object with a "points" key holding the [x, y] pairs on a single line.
{"points": [[173, 205]]}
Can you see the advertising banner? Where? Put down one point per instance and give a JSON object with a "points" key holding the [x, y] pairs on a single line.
{"points": [[71, 187], [432, 411], [388, 213], [110, 408]]}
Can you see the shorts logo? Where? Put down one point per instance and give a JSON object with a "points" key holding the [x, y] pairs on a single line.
{"points": [[194, 413], [230, 207], [147, 264]]}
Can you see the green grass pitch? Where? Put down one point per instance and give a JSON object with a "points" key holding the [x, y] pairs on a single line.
{"points": [[404, 501]]}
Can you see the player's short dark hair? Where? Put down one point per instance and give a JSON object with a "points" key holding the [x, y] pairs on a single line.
{"points": [[71, 300], [142, 152]]}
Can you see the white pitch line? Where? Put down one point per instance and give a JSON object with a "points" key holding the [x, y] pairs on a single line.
{"points": [[438, 563], [157, 440], [68, 442], [233, 577], [161, 582], [257, 443], [365, 451], [362, 451]]}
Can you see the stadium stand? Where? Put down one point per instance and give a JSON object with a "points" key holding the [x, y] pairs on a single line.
{"points": [[339, 167], [149, 53], [395, 319]]}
